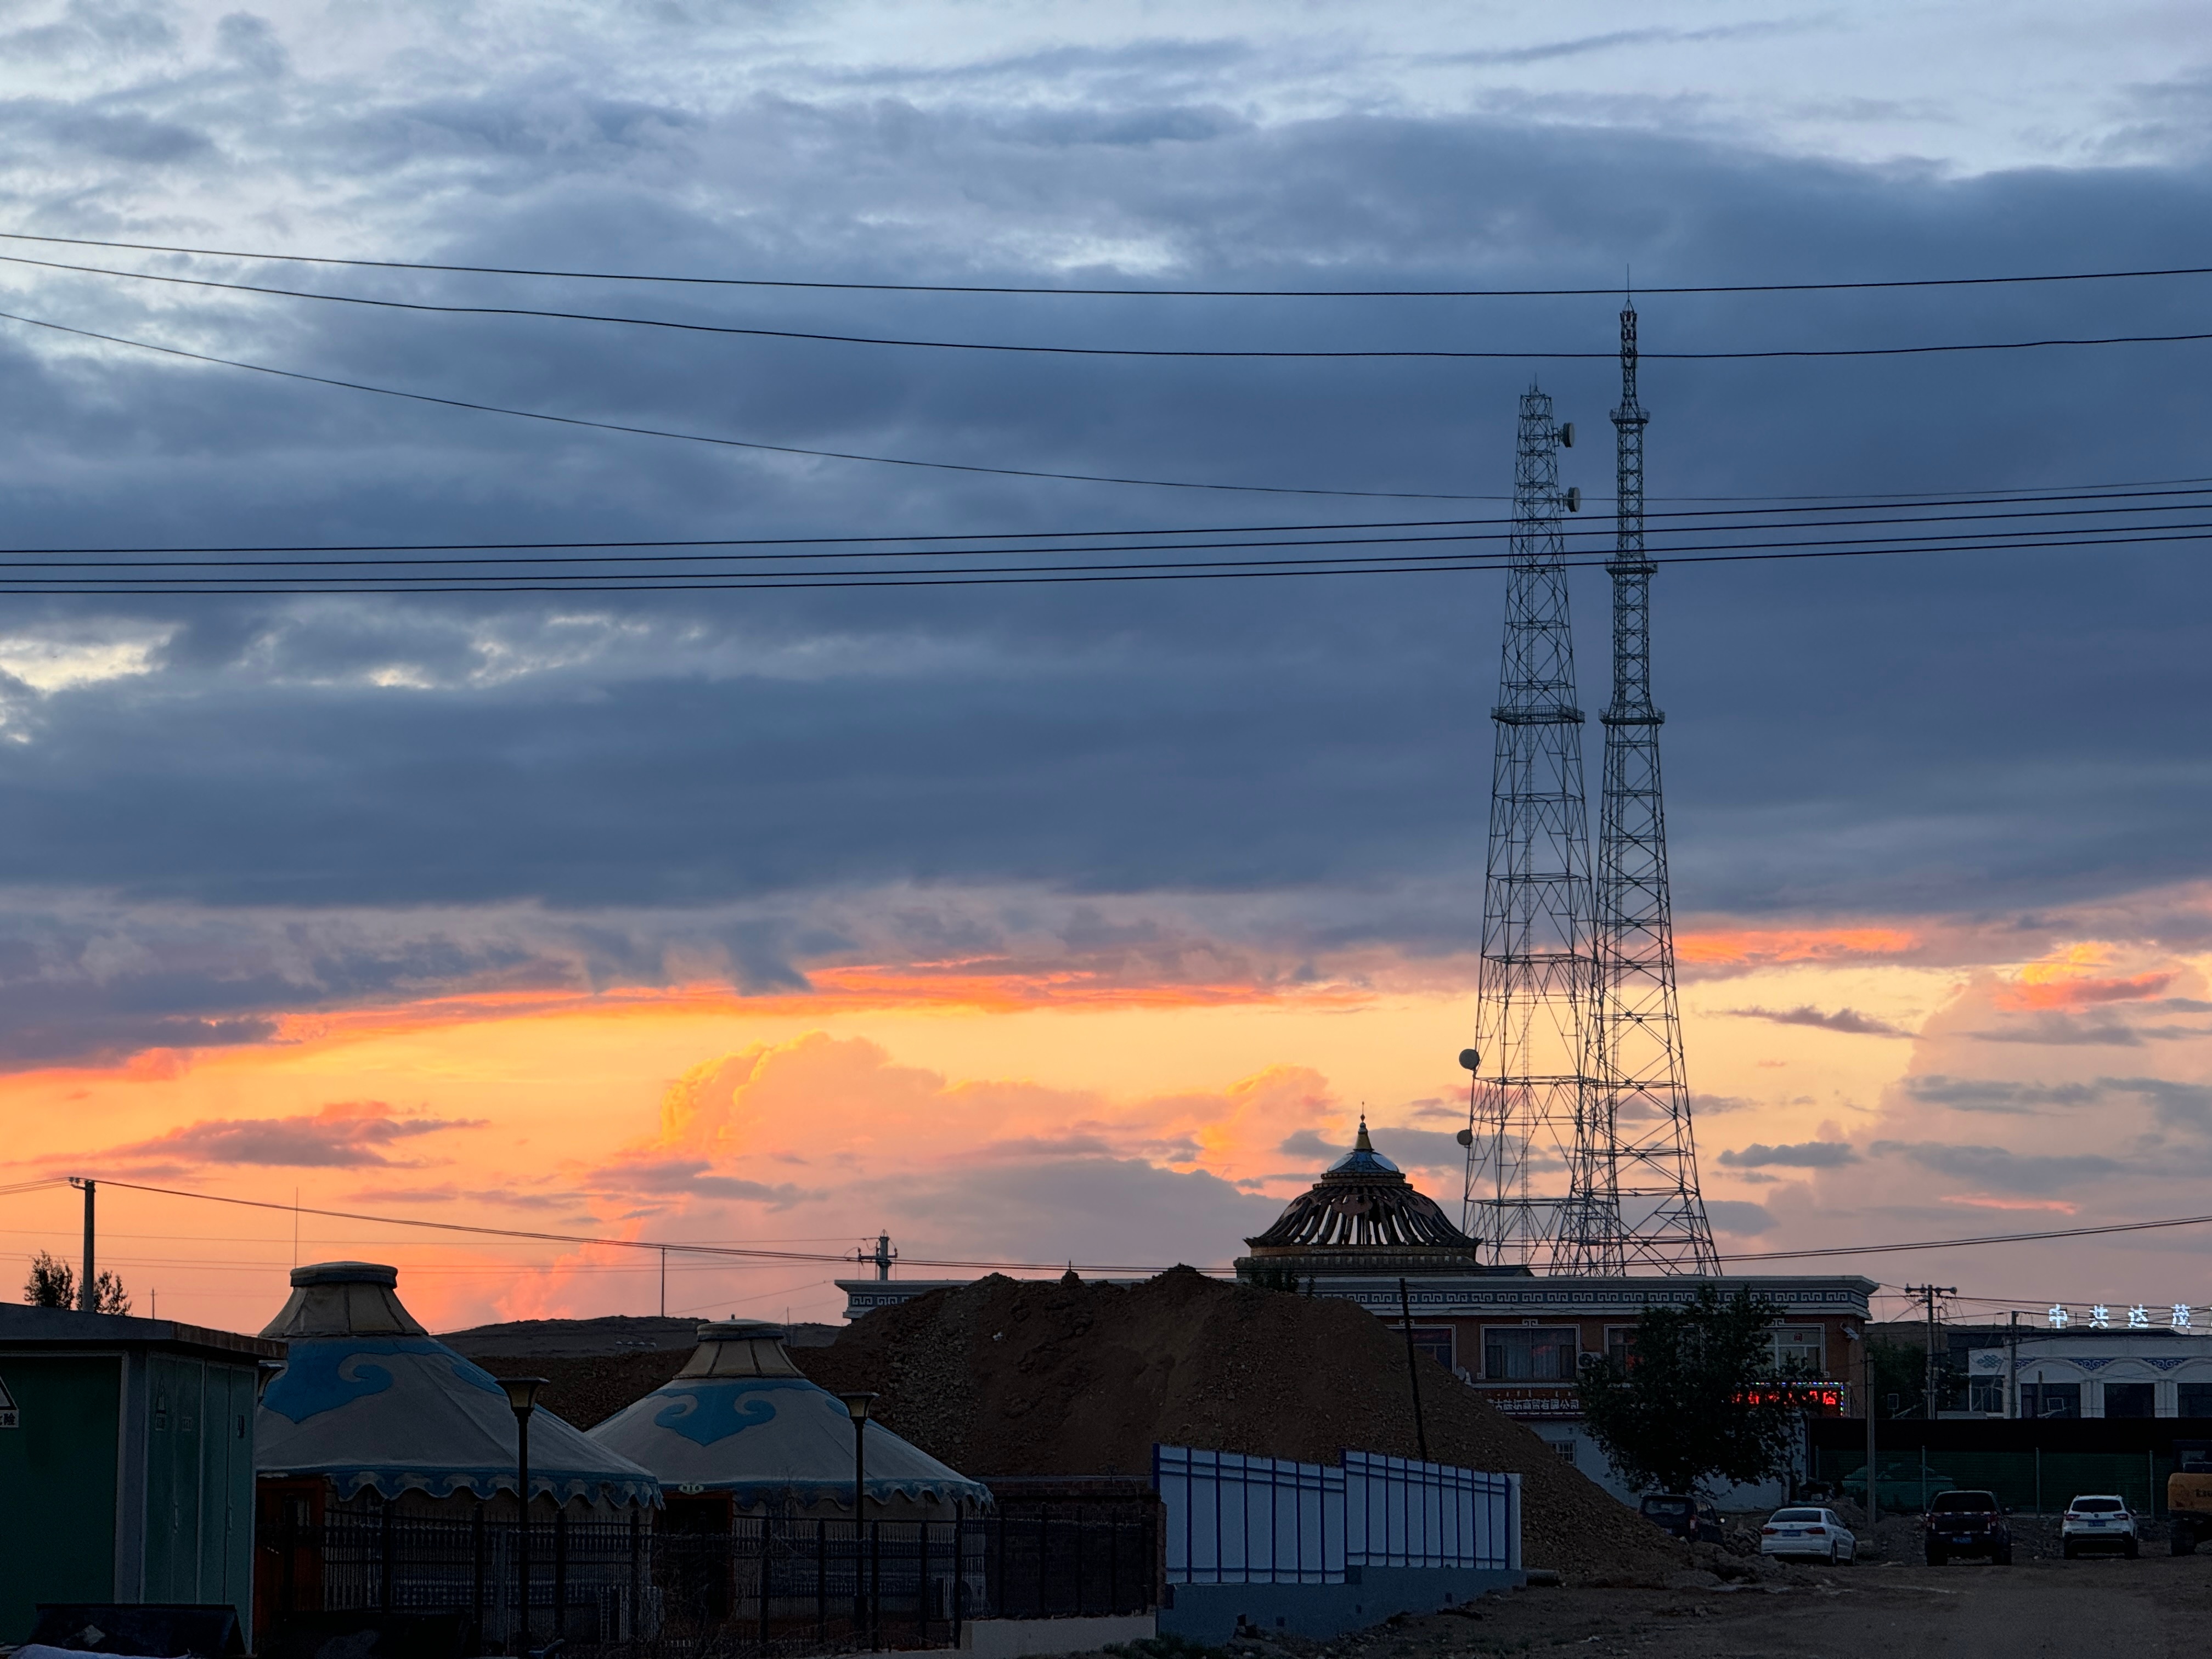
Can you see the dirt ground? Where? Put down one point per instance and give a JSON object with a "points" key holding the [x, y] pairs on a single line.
{"points": [[2152, 1608]]}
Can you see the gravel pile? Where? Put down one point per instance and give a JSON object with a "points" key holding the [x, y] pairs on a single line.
{"points": [[1008, 1376]]}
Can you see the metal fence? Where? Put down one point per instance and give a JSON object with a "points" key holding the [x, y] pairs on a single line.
{"points": [[1237, 1520], [775, 1584], [1399, 1513], [2028, 1480]]}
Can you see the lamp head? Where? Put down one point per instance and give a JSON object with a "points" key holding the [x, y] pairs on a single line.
{"points": [[522, 1392], [856, 1405]]}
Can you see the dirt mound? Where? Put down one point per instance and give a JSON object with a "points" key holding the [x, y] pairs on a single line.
{"points": [[583, 1391], [1006, 1378]]}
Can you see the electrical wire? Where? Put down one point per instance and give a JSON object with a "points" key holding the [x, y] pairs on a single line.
{"points": [[168, 558], [1982, 1238], [1607, 291], [719, 442], [673, 1246], [1208, 353], [295, 583], [1462, 529]]}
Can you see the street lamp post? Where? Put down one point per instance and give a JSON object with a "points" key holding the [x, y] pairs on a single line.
{"points": [[522, 1396], [856, 1405]]}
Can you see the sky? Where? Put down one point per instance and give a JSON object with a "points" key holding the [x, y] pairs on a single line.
{"points": [[1068, 923]]}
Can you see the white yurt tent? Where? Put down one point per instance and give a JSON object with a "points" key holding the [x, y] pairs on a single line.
{"points": [[372, 1407], [742, 1424]]}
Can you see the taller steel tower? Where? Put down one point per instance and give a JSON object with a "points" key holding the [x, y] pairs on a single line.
{"points": [[1529, 1147], [1643, 1205]]}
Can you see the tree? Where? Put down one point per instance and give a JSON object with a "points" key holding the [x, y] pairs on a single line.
{"points": [[52, 1284], [1696, 1397]]}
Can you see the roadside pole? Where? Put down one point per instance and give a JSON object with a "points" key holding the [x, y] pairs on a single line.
{"points": [[2012, 1367], [1873, 1479]]}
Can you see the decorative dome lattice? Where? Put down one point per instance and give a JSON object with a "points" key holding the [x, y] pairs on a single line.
{"points": [[1361, 1202]]}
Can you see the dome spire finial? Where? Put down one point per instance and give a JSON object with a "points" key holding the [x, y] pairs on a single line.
{"points": [[1363, 1145]]}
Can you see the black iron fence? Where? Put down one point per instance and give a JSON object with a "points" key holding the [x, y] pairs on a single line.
{"points": [[779, 1585]]}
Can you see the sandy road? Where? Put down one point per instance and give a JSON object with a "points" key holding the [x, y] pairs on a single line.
{"points": [[2157, 1607]]}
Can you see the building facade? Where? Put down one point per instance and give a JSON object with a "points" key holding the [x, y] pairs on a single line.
{"points": [[2092, 1373]]}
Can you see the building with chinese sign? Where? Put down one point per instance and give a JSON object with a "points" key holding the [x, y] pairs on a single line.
{"points": [[1366, 1233]]}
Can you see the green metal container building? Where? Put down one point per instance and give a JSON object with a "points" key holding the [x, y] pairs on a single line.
{"points": [[126, 1462]]}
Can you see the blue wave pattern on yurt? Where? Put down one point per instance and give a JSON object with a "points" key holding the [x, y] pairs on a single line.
{"points": [[321, 1376], [370, 1400], [710, 1412], [742, 1419]]}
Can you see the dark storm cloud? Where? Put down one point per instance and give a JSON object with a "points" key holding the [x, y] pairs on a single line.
{"points": [[1803, 1155], [1980, 1095], [1093, 1207], [353, 1134], [1738, 1215], [2005, 1171], [1848, 1020], [690, 1178], [1307, 757]]}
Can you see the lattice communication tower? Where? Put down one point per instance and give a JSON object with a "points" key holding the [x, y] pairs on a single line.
{"points": [[1642, 1200], [1529, 1151]]}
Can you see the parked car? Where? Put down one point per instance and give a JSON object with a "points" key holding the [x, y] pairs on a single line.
{"points": [[1692, 1519], [2099, 1523], [1809, 1533], [1967, 1523]]}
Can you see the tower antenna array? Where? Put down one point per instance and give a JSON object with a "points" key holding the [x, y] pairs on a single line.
{"points": [[1529, 1145], [1644, 1208]]}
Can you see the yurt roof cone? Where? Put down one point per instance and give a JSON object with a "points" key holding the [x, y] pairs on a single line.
{"points": [[740, 1417], [1364, 1206], [370, 1399]]}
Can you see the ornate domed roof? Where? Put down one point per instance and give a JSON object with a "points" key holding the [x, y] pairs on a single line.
{"points": [[1363, 1202]]}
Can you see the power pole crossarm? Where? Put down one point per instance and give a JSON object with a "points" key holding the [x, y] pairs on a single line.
{"points": [[1928, 1293]]}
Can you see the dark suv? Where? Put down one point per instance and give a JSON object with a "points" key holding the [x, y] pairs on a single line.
{"points": [[1967, 1523], [1691, 1519]]}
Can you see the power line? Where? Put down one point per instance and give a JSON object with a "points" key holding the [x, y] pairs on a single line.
{"points": [[295, 583], [621, 551], [168, 558], [1608, 291], [718, 442], [735, 1252], [1984, 1239], [1207, 353]]}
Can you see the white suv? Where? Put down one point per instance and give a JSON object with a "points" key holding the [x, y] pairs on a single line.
{"points": [[2100, 1523]]}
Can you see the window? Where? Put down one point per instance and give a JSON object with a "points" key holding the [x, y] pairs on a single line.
{"points": [[1530, 1353], [1620, 1344], [2097, 1506], [2131, 1399], [2196, 1399], [1436, 1341], [2051, 1399], [1799, 1345], [1566, 1451], [1788, 1518], [1986, 1395]]}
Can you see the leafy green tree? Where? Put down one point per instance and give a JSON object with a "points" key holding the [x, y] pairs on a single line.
{"points": [[1697, 1397], [52, 1284]]}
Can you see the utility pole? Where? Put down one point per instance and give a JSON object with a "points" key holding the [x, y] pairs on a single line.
{"points": [[1928, 1293], [87, 1290], [2012, 1366], [882, 1256]]}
